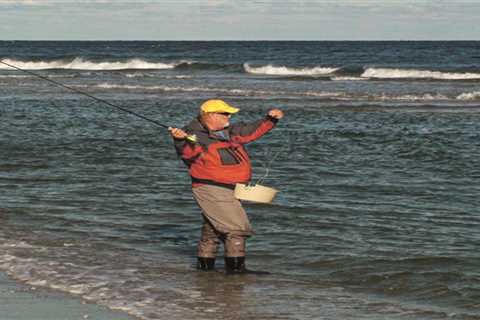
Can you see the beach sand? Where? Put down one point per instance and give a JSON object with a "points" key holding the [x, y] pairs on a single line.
{"points": [[22, 302]]}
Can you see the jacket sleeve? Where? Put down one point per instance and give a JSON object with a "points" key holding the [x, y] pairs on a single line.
{"points": [[187, 151], [247, 132]]}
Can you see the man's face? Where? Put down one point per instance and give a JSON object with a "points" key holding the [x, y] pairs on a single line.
{"points": [[218, 120]]}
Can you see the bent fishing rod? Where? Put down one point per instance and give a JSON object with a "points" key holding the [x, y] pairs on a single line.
{"points": [[191, 138]]}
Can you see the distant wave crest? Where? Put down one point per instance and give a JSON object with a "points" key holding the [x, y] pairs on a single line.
{"points": [[81, 64], [387, 73], [346, 73], [177, 89], [469, 96], [288, 71], [151, 75], [341, 74]]}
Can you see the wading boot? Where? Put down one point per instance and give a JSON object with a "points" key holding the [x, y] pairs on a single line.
{"points": [[236, 265], [205, 264]]}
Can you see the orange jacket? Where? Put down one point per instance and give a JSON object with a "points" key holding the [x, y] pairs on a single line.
{"points": [[221, 160]]}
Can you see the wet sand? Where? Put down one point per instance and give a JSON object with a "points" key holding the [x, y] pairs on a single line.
{"points": [[22, 302]]}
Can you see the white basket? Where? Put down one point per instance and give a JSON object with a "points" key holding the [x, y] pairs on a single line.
{"points": [[254, 193]]}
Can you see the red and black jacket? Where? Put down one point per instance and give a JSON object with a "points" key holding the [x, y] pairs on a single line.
{"points": [[220, 160]]}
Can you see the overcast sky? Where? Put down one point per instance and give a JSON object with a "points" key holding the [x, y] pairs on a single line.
{"points": [[240, 20]]}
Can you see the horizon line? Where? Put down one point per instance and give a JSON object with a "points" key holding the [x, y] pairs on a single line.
{"points": [[243, 40]]}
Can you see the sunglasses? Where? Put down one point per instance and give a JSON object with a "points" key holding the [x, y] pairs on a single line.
{"points": [[226, 114]]}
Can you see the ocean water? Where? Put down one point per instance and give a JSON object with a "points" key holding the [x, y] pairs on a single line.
{"points": [[378, 166]]}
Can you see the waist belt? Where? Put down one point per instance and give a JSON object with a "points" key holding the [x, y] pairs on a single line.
{"points": [[214, 183]]}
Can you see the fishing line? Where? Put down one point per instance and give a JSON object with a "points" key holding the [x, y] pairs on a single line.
{"points": [[191, 138], [269, 164]]}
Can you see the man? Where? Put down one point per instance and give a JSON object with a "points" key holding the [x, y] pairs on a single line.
{"points": [[217, 160]]}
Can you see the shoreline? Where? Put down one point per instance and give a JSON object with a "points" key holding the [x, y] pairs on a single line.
{"points": [[22, 302]]}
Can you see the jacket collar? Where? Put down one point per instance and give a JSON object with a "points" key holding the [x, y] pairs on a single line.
{"points": [[197, 125]]}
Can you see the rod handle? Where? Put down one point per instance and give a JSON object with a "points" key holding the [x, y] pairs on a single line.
{"points": [[192, 138]]}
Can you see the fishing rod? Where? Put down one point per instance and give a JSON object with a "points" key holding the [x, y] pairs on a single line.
{"points": [[191, 138]]}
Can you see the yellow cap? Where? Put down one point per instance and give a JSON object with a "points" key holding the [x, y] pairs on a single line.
{"points": [[216, 105]]}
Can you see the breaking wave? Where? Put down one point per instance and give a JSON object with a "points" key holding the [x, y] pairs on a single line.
{"points": [[359, 74], [81, 64], [341, 74], [287, 71], [346, 73]]}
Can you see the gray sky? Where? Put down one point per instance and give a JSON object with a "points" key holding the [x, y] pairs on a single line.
{"points": [[240, 20]]}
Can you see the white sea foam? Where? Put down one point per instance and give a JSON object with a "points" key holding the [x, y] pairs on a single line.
{"points": [[239, 92], [287, 71], [81, 64], [101, 283], [339, 95], [18, 76], [152, 88], [142, 75], [348, 78], [178, 89], [20, 244], [429, 97], [13, 76], [323, 94], [149, 289], [385, 73], [137, 75], [469, 96], [413, 97]]}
